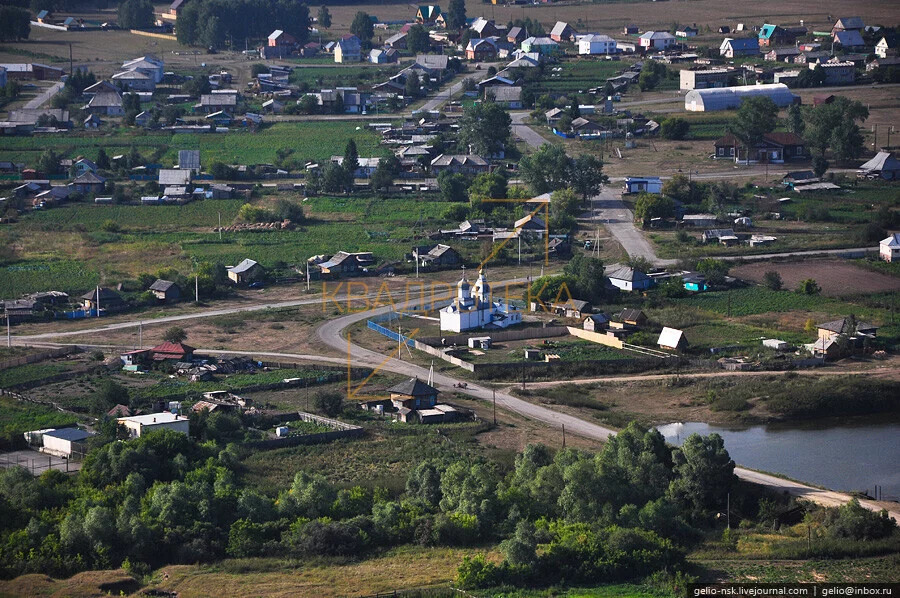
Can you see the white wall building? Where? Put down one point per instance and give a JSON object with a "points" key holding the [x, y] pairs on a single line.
{"points": [[594, 43], [59, 442], [473, 308], [138, 425]]}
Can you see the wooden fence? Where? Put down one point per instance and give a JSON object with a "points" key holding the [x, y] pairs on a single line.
{"points": [[36, 357]]}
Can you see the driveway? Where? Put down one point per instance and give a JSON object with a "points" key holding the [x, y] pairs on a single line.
{"points": [[44, 96]]}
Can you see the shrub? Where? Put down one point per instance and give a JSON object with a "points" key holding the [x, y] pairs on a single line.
{"points": [[772, 280], [858, 523], [330, 403], [809, 287]]}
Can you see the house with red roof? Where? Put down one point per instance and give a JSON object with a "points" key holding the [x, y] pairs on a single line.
{"points": [[775, 148], [173, 351]]}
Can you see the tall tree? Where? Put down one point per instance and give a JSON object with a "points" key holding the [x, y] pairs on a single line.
{"points": [[351, 164], [485, 128], [456, 14], [188, 24], [15, 23], [213, 34], [545, 170], [795, 123], [835, 126], [704, 473], [413, 86], [417, 40], [586, 175], [756, 117], [362, 27], [324, 17]]}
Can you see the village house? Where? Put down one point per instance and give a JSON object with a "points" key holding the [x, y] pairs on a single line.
{"points": [[138, 425], [845, 326], [348, 49], [88, 183], [106, 103], [484, 27], [698, 220], [143, 119], [629, 279], [459, 163], [657, 40], [109, 300], [594, 43], [596, 322], [345, 263], [848, 24], [508, 97], [82, 166], [572, 308], [631, 317], [149, 65], [516, 35], [366, 167], [189, 160], [686, 32], [134, 81], [837, 73], [583, 127], [775, 148], [630, 29], [773, 35], [562, 32], [92, 122], [725, 236], [849, 40], [889, 248], [218, 102], [280, 38], [436, 256], [173, 177], [172, 352], [788, 55], [245, 272], [396, 41], [736, 47], [411, 396], [482, 49], [428, 14], [165, 290], [704, 79], [543, 46], [887, 46]]}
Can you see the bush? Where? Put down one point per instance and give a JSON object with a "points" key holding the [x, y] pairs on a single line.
{"points": [[809, 287], [330, 403], [674, 128], [858, 523], [772, 280]]}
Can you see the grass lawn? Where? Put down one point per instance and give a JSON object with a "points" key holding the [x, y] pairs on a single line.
{"points": [[17, 417], [312, 140]]}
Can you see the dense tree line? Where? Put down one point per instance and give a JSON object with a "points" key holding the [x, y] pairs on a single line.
{"points": [[564, 517], [136, 14], [15, 23], [212, 22]]}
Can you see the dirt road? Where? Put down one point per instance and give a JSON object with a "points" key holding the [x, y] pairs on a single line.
{"points": [[608, 209]]}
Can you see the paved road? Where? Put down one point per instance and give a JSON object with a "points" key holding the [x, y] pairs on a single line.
{"points": [[331, 334], [443, 95], [44, 97], [524, 132], [608, 209]]}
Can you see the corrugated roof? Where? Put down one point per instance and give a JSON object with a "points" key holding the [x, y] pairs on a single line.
{"points": [[413, 388]]}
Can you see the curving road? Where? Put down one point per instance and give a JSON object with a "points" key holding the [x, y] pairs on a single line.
{"points": [[330, 333]]}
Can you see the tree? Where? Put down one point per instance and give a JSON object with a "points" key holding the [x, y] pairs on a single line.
{"points": [[135, 14], [674, 128], [48, 163], [213, 33], [574, 111], [387, 171], [362, 27], [324, 17], [350, 164], [545, 170], [456, 14], [331, 403], [704, 473], [586, 175], [820, 166], [487, 185], [175, 334], [809, 287], [521, 549], [102, 159], [285, 209], [588, 275], [412, 87], [110, 394], [485, 129], [187, 31], [452, 186], [756, 117], [650, 205], [15, 23], [834, 126], [334, 178], [795, 123], [417, 39], [772, 280]]}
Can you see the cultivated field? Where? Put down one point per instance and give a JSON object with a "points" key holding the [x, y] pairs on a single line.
{"points": [[836, 277]]}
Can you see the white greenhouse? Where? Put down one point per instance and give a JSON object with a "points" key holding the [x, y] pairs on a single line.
{"points": [[728, 98]]}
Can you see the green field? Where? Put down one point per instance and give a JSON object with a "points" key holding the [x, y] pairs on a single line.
{"points": [[337, 75], [579, 75], [313, 140], [17, 417], [153, 237], [28, 373]]}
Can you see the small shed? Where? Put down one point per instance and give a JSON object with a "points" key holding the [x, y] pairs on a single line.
{"points": [[596, 322], [671, 339], [643, 184], [166, 290], [479, 342], [247, 271], [774, 343]]}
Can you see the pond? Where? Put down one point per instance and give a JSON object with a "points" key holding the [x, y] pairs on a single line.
{"points": [[846, 457]]}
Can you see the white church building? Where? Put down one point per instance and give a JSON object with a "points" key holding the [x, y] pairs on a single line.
{"points": [[473, 308]]}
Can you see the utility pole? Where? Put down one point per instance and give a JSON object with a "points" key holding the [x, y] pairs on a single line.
{"points": [[399, 343], [71, 68], [523, 370], [564, 435], [196, 288], [220, 226], [9, 344], [875, 142], [728, 509], [141, 334], [98, 300]]}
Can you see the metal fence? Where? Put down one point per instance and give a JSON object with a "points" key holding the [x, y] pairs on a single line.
{"points": [[37, 463]]}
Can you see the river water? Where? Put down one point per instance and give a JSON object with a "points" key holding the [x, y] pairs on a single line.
{"points": [[851, 456]]}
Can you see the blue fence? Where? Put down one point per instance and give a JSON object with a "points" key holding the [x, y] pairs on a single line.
{"points": [[394, 336], [78, 314]]}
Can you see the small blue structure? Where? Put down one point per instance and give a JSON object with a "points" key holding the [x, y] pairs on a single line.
{"points": [[695, 282]]}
